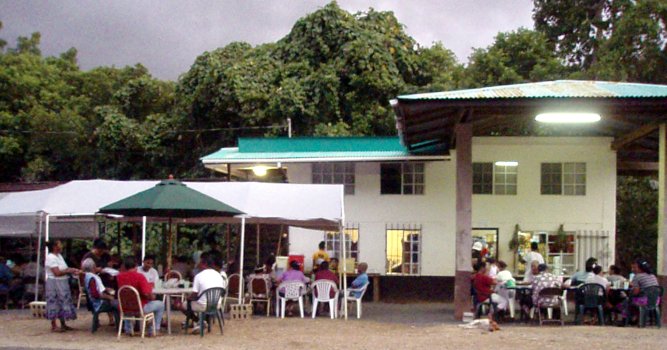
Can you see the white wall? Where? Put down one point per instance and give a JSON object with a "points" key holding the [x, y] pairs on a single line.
{"points": [[535, 212], [436, 209]]}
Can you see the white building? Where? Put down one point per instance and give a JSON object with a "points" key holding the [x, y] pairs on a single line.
{"points": [[400, 208]]}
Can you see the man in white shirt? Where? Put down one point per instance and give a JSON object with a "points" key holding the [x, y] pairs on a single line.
{"points": [[148, 271], [596, 277], [532, 255], [206, 279]]}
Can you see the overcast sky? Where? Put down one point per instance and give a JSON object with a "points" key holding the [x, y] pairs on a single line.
{"points": [[167, 35]]}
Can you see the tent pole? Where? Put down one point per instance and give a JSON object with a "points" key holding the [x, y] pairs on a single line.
{"points": [[257, 248], [343, 259], [39, 255], [143, 238], [241, 259]]}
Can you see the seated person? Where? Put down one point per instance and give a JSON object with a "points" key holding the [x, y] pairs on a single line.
{"points": [[580, 277], [492, 267], [596, 277], [207, 278], [101, 298], [293, 274], [130, 277], [483, 285], [323, 273], [644, 278], [148, 271], [543, 280], [615, 275], [181, 265]]}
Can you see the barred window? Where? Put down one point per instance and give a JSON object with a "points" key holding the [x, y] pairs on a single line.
{"points": [[403, 249], [402, 178], [334, 173], [332, 240]]}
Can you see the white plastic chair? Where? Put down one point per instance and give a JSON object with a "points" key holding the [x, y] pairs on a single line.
{"points": [[324, 288], [292, 290], [564, 301], [351, 297]]}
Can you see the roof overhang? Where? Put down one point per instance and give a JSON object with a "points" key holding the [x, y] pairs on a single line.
{"points": [[429, 120]]}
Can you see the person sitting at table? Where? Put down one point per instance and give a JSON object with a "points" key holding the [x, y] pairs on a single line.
{"points": [[580, 277], [259, 273], [596, 277], [148, 271], [98, 254], [644, 278], [483, 285], [292, 274], [528, 258], [492, 267], [130, 277], [615, 275], [181, 265], [543, 280], [101, 298], [207, 278]]}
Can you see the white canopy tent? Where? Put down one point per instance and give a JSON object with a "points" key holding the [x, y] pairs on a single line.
{"points": [[24, 214]]}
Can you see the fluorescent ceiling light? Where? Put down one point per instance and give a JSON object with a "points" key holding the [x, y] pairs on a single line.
{"points": [[565, 118], [507, 163], [259, 170]]}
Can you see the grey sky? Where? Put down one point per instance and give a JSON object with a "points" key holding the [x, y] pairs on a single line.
{"points": [[167, 35]]}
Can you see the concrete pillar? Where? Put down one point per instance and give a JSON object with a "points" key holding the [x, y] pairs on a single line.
{"points": [[662, 224], [462, 298]]}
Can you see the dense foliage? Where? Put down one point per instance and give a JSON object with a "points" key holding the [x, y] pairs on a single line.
{"points": [[334, 73]]}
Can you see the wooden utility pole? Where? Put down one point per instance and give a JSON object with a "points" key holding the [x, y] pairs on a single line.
{"points": [[662, 215]]}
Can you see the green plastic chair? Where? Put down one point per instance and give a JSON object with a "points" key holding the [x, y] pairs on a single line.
{"points": [[652, 307], [591, 296], [213, 296]]}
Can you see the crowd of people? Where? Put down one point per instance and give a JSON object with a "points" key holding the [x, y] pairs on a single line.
{"points": [[493, 283]]}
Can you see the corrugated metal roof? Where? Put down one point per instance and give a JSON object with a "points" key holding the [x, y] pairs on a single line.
{"points": [[348, 148], [551, 89]]}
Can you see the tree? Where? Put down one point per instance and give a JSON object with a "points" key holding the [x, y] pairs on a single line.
{"points": [[636, 220], [515, 57]]}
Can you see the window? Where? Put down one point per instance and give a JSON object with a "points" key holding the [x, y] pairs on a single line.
{"points": [[403, 249], [332, 240], [335, 173], [564, 178], [402, 178], [488, 178]]}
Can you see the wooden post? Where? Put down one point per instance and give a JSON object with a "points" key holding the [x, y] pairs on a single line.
{"points": [[227, 238], [462, 299], [280, 239], [662, 215], [170, 243]]}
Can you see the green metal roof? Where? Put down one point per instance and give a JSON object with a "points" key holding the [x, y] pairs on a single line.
{"points": [[252, 149], [551, 89]]}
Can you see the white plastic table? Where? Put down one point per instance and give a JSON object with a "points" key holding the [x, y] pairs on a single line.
{"points": [[169, 292]]}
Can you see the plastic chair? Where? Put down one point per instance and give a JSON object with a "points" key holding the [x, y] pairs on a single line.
{"points": [[260, 292], [351, 297], [322, 291], [292, 290], [549, 294], [564, 302], [652, 307], [82, 290], [91, 289], [131, 309], [213, 296], [590, 297]]}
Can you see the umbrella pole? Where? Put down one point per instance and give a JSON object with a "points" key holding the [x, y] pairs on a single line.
{"points": [[241, 259], [143, 238], [170, 243]]}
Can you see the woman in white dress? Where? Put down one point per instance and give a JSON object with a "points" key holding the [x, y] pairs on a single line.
{"points": [[58, 296]]}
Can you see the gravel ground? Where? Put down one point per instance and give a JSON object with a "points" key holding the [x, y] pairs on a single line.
{"points": [[384, 326]]}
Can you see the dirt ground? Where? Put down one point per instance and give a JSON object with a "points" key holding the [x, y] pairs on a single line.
{"points": [[384, 326]]}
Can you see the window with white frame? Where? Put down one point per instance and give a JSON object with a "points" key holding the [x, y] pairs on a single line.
{"points": [[334, 173], [490, 178], [403, 249], [332, 241], [402, 178], [563, 178]]}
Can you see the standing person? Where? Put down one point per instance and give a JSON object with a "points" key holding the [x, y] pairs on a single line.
{"points": [[56, 288], [528, 258], [130, 277], [319, 256], [207, 278], [98, 254], [148, 271]]}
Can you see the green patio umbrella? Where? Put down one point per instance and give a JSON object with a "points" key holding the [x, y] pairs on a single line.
{"points": [[170, 199]]}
